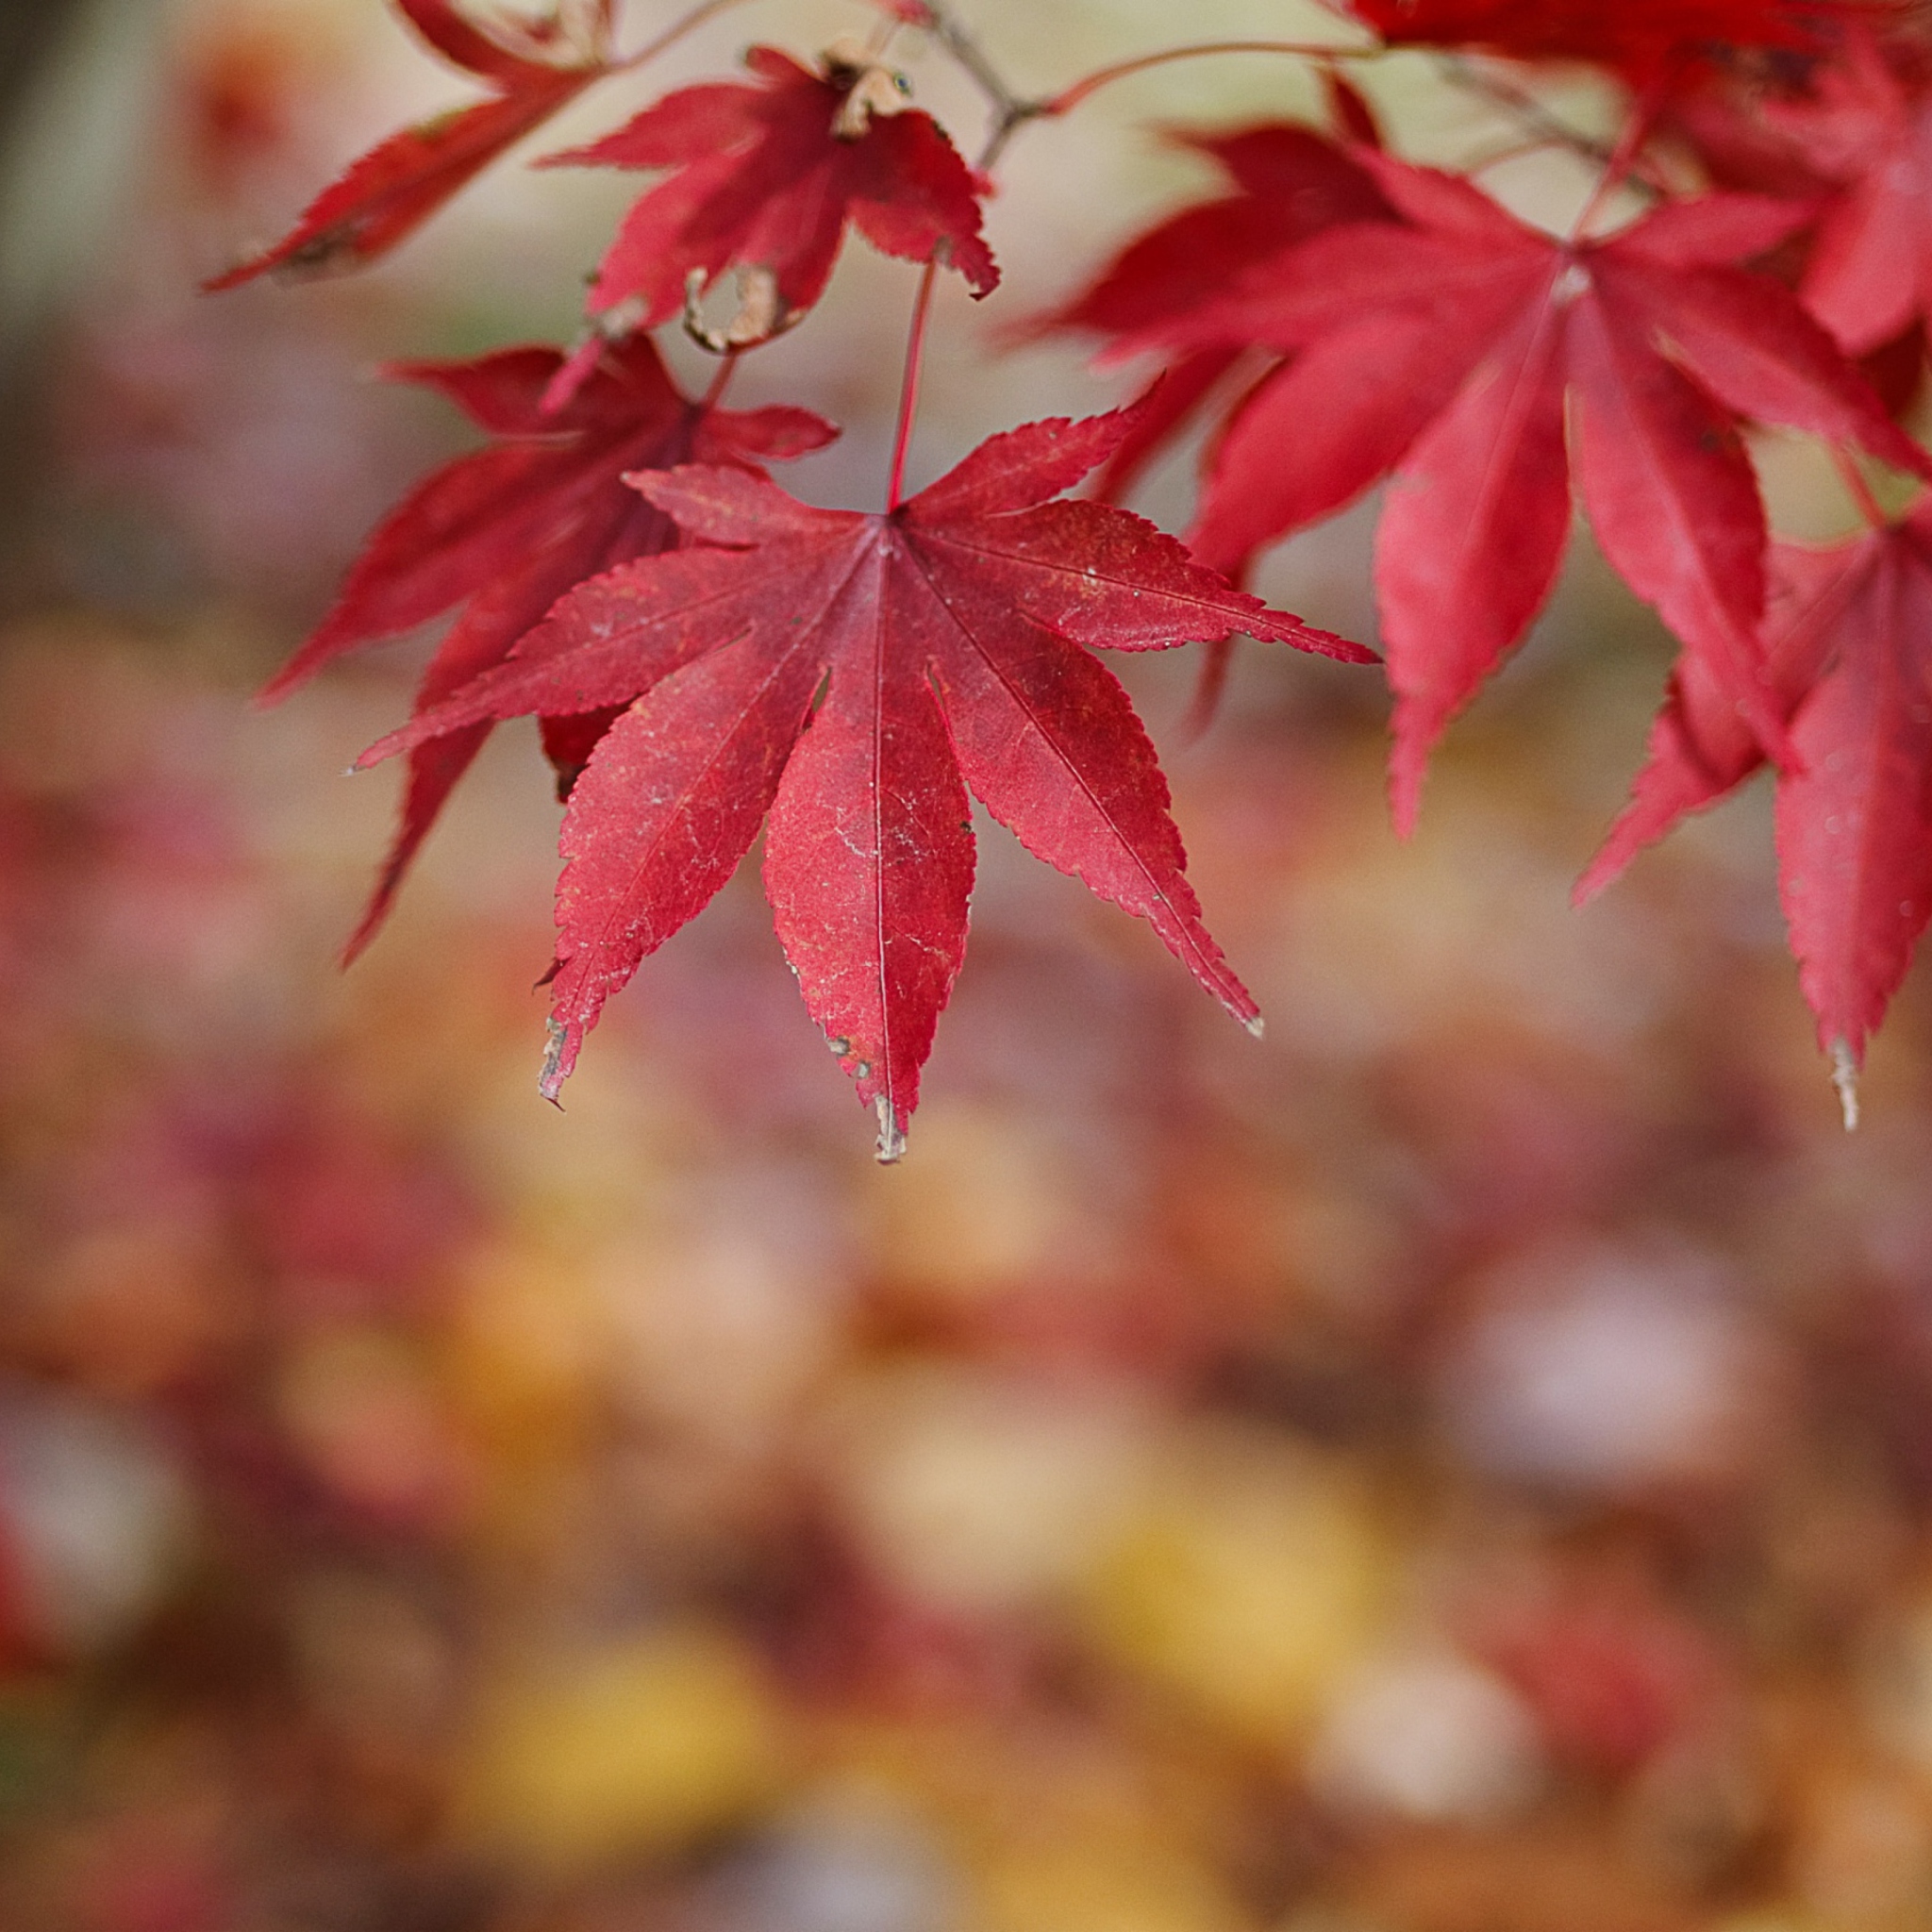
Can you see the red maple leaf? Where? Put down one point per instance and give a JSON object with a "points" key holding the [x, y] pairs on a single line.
{"points": [[1854, 814], [767, 178], [1848, 650], [506, 530], [854, 675], [1641, 38], [398, 184], [1450, 349], [1290, 184], [1867, 126]]}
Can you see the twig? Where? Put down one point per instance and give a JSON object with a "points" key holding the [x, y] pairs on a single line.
{"points": [[1529, 112], [1011, 110], [1070, 97], [947, 29], [674, 33]]}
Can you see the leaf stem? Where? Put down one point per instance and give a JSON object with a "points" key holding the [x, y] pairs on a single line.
{"points": [[1529, 112], [1012, 109], [1859, 490], [1537, 145], [909, 384], [1622, 157], [728, 367]]}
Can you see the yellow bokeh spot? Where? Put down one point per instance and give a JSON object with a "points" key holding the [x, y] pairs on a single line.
{"points": [[632, 1751], [1246, 1582], [1112, 1888]]}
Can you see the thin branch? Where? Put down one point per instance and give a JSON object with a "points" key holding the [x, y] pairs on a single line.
{"points": [[952, 34], [708, 9], [1622, 165], [1011, 110], [727, 368], [1538, 144], [1527, 111], [1071, 97]]}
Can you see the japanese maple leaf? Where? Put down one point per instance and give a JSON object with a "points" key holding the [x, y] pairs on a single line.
{"points": [[1869, 272], [397, 186], [1290, 184], [1701, 749], [1641, 38], [1851, 651], [1444, 350], [506, 532], [767, 177], [854, 675]]}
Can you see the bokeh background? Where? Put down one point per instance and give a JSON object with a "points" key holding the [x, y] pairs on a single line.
{"points": [[1463, 1464]]}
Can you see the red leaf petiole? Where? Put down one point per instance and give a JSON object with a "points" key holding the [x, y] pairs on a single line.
{"points": [[909, 384]]}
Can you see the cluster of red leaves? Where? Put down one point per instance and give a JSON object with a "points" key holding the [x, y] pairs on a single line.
{"points": [[705, 650], [1411, 329], [1441, 346], [851, 674]]}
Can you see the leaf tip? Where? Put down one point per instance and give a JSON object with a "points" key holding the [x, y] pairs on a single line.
{"points": [[891, 1148], [1257, 1025], [1409, 761], [1593, 881], [1209, 687], [1404, 800], [1844, 1076], [550, 1080]]}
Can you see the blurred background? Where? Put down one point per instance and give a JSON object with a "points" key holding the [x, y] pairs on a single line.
{"points": [[1461, 1465]]}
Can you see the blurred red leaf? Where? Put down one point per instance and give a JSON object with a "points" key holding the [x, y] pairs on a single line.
{"points": [[1641, 38], [394, 188], [1854, 818], [1848, 656], [506, 532], [1443, 349], [1868, 273], [1612, 1679]]}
